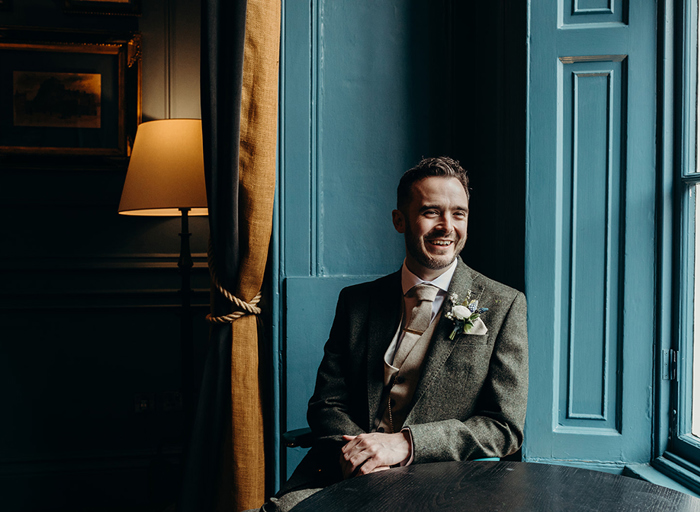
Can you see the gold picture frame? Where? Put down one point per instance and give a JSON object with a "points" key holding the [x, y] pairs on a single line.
{"points": [[112, 7], [68, 93]]}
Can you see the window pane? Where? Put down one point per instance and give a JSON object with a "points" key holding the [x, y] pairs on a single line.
{"points": [[694, 246], [696, 29], [695, 212]]}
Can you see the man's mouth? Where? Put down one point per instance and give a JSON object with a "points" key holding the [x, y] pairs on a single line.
{"points": [[441, 243]]}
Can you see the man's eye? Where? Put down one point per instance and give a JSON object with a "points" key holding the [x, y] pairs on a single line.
{"points": [[430, 213]]}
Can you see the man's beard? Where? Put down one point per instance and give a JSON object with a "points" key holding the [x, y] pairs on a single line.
{"points": [[413, 246]]}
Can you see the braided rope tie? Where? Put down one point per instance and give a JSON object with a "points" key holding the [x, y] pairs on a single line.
{"points": [[244, 308]]}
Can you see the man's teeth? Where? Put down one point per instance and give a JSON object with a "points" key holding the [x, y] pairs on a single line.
{"points": [[441, 242]]}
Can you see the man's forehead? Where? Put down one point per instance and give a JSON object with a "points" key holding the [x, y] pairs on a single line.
{"points": [[439, 188]]}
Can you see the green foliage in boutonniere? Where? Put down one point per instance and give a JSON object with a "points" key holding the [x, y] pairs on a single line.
{"points": [[465, 314]]}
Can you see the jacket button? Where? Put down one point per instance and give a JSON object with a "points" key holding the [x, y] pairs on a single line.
{"points": [[392, 402], [400, 379], [380, 429]]}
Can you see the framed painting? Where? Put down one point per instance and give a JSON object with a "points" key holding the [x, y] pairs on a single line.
{"points": [[114, 7], [69, 93]]}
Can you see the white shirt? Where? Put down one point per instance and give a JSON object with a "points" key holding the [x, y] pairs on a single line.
{"points": [[408, 281]]}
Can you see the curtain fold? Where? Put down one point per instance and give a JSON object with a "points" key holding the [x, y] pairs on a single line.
{"points": [[258, 145], [239, 77]]}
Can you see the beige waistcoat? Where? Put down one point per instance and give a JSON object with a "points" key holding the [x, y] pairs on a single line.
{"points": [[400, 381]]}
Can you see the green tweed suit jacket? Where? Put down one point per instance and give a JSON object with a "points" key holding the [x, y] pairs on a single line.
{"points": [[471, 399]]}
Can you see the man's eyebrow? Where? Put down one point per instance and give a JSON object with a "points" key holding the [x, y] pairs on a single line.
{"points": [[438, 207]]}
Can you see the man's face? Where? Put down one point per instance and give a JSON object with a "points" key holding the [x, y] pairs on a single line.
{"points": [[434, 225]]}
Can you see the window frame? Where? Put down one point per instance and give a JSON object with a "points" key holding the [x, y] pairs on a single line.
{"points": [[679, 449]]}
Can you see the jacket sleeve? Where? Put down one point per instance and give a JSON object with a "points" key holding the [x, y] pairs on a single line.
{"points": [[495, 427]]}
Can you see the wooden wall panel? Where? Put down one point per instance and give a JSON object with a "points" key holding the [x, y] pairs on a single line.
{"points": [[89, 302], [590, 254], [592, 210]]}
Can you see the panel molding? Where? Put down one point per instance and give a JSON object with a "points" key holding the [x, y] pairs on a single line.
{"points": [[315, 125], [88, 459], [592, 58], [591, 176], [610, 432], [621, 55], [89, 262], [588, 14], [577, 9], [101, 300]]}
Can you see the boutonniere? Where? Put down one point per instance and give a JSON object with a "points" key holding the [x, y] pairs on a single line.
{"points": [[466, 315]]}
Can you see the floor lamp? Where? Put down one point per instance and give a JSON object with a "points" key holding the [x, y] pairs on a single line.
{"points": [[166, 178]]}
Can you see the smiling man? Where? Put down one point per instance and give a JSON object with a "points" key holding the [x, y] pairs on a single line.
{"points": [[427, 364]]}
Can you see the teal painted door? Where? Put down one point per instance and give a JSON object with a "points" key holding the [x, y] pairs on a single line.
{"points": [[590, 257]]}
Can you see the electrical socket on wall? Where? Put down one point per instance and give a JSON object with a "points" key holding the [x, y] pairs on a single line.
{"points": [[144, 402], [165, 401]]}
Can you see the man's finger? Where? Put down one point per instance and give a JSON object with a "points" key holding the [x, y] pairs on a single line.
{"points": [[348, 468], [351, 443]]}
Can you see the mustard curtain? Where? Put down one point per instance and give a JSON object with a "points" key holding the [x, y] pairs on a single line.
{"points": [[240, 61], [256, 200]]}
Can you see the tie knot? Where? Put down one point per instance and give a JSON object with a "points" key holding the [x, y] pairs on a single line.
{"points": [[423, 292]]}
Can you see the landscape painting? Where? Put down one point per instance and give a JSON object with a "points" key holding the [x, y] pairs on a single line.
{"points": [[57, 100]]}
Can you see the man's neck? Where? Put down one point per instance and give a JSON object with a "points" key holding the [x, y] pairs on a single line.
{"points": [[426, 274]]}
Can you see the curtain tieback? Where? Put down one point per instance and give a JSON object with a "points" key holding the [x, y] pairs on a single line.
{"points": [[244, 308]]}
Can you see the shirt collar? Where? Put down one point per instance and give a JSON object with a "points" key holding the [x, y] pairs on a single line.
{"points": [[442, 282]]}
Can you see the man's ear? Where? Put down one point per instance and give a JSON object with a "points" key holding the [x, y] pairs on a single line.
{"points": [[399, 221]]}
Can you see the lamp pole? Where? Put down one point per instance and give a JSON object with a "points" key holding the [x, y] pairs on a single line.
{"points": [[184, 265]]}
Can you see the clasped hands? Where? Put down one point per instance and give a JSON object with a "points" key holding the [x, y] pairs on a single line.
{"points": [[367, 453]]}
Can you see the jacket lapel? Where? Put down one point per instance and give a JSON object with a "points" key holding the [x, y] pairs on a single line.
{"points": [[441, 346], [384, 316]]}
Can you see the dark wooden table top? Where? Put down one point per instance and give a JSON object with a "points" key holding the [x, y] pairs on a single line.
{"points": [[496, 486]]}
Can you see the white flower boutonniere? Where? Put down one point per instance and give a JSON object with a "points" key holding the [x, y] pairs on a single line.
{"points": [[466, 315]]}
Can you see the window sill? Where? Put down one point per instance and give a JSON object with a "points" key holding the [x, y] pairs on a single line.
{"points": [[667, 473]]}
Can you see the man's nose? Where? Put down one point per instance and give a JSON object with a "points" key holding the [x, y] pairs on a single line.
{"points": [[445, 223]]}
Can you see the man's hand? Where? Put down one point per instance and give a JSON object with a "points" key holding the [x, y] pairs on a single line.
{"points": [[368, 453]]}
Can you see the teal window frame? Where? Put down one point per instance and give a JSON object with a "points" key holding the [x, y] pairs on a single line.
{"points": [[683, 443], [677, 449]]}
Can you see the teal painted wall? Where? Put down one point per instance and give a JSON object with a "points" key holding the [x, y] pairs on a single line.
{"points": [[367, 89]]}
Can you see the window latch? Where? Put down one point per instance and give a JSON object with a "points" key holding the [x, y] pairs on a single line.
{"points": [[669, 364]]}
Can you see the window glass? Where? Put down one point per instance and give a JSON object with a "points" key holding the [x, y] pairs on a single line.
{"points": [[695, 213]]}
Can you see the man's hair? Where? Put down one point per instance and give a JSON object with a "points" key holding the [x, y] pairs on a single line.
{"points": [[442, 166]]}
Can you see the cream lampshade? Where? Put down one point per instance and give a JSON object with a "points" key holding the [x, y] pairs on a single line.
{"points": [[166, 170]]}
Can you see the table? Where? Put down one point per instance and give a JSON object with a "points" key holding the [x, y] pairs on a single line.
{"points": [[496, 486]]}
